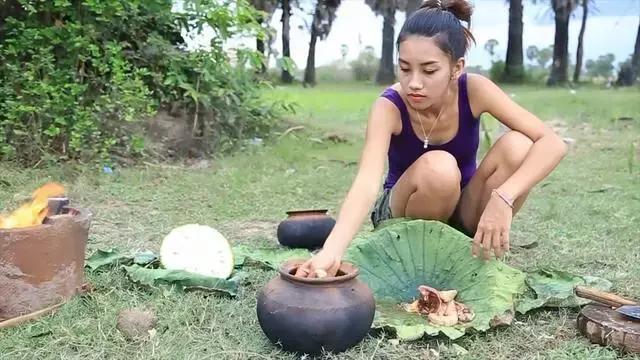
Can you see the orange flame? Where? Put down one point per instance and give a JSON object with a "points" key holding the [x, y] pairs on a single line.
{"points": [[33, 213]]}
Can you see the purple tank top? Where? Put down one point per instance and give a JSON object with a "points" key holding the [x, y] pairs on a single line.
{"points": [[405, 148]]}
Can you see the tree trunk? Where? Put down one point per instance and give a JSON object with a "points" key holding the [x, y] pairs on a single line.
{"points": [[635, 59], [560, 65], [261, 48], [386, 73], [310, 70], [580, 50], [412, 6], [514, 68], [287, 78]]}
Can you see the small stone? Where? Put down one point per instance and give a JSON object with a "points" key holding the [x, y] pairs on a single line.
{"points": [[569, 140], [136, 324]]}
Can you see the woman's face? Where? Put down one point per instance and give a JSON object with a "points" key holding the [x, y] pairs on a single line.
{"points": [[425, 71]]}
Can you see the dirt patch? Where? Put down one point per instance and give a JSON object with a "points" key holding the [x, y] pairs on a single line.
{"points": [[558, 126], [336, 138], [170, 134], [242, 231]]}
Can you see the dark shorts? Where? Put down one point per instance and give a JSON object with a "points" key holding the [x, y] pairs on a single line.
{"points": [[382, 208], [382, 211]]}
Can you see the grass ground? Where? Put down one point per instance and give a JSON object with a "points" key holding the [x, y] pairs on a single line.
{"points": [[584, 218]]}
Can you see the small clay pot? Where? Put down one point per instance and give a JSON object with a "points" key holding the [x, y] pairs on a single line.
{"points": [[305, 229], [309, 315]]}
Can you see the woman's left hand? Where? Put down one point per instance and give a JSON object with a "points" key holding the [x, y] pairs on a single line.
{"points": [[493, 228]]}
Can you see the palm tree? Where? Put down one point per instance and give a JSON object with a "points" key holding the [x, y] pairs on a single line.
{"points": [[323, 18], [560, 65], [490, 47], [514, 67], [630, 69], [386, 8], [412, 6], [580, 50]]}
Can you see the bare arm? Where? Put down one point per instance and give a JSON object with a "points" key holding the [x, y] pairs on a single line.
{"points": [[361, 195], [548, 148], [366, 184]]}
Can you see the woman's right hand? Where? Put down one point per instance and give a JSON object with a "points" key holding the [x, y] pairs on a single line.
{"points": [[324, 263]]}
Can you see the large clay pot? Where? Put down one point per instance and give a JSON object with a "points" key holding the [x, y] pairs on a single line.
{"points": [[305, 229], [307, 315]]}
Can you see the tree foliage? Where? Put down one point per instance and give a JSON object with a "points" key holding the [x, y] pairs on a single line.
{"points": [[77, 77], [602, 66]]}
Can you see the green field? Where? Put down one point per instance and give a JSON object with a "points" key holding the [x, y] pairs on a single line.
{"points": [[585, 218]]}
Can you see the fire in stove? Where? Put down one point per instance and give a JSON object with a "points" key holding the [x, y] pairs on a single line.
{"points": [[47, 200]]}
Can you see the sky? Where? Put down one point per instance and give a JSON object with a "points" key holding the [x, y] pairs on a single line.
{"points": [[611, 28]]}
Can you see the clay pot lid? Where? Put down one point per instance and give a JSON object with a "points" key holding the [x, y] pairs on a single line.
{"points": [[307, 212], [347, 271]]}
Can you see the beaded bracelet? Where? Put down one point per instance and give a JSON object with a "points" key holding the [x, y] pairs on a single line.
{"points": [[503, 197]]}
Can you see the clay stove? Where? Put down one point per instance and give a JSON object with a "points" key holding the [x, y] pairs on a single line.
{"points": [[42, 266]]}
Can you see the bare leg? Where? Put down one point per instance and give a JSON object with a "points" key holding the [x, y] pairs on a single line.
{"points": [[429, 189], [502, 160]]}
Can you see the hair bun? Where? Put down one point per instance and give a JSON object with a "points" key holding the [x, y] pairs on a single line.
{"points": [[461, 9]]}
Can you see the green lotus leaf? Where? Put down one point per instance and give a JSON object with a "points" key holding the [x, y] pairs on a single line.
{"points": [[183, 280], [270, 258], [105, 258], [555, 288], [395, 260]]}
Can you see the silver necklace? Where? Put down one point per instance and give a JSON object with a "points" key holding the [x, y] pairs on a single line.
{"points": [[426, 137]]}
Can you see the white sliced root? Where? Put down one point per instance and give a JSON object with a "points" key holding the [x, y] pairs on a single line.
{"points": [[198, 249], [448, 295]]}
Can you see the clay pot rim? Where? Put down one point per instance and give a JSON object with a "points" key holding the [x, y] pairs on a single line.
{"points": [[350, 270], [307, 211], [81, 214]]}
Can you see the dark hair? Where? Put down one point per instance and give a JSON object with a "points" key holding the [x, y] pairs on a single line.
{"points": [[441, 20]]}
